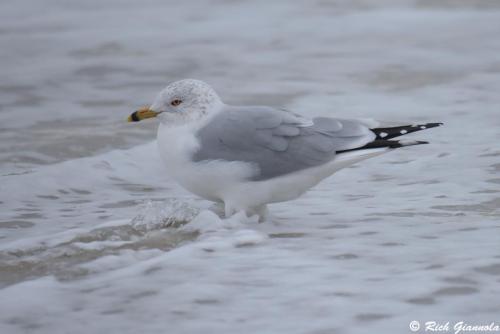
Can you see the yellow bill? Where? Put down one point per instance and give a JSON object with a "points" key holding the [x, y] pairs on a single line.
{"points": [[141, 114]]}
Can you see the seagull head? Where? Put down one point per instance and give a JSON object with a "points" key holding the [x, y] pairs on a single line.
{"points": [[181, 102]]}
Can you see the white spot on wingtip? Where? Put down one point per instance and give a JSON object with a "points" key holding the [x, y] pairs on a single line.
{"points": [[403, 132], [382, 134], [423, 127]]}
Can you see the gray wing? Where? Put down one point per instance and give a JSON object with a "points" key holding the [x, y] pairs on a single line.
{"points": [[276, 141]]}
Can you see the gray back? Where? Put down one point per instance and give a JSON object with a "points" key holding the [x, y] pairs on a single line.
{"points": [[276, 141]]}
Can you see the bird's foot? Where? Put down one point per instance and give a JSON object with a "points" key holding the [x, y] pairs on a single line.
{"points": [[261, 211], [218, 208]]}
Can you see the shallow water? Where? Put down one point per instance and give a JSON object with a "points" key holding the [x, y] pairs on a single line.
{"points": [[93, 233]]}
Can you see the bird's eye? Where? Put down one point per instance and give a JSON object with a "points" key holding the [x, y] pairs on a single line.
{"points": [[175, 102]]}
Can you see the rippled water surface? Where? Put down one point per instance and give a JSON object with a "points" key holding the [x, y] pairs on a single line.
{"points": [[94, 237]]}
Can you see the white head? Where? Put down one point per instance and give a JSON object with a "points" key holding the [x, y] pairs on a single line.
{"points": [[181, 102]]}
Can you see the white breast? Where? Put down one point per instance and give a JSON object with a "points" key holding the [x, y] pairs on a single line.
{"points": [[212, 180]]}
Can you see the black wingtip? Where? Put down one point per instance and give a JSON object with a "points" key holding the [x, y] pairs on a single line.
{"points": [[411, 143], [397, 131], [402, 143], [428, 125], [391, 144]]}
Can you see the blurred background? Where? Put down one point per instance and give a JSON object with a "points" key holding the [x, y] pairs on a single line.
{"points": [[412, 235], [71, 71]]}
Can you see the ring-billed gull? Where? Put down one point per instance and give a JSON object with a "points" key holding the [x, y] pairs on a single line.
{"points": [[249, 156]]}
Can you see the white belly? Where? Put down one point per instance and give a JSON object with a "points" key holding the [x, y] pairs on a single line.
{"points": [[252, 194]]}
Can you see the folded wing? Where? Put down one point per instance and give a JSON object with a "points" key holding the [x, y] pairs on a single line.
{"points": [[276, 141]]}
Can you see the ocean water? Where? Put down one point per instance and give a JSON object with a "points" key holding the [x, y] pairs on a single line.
{"points": [[94, 236]]}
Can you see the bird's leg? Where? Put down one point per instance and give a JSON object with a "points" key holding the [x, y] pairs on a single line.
{"points": [[218, 208], [262, 211], [229, 209]]}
